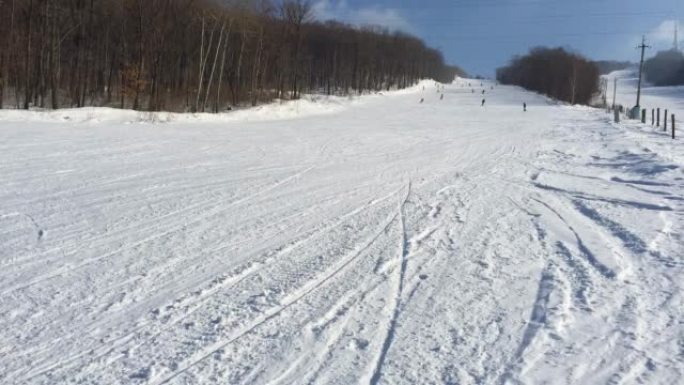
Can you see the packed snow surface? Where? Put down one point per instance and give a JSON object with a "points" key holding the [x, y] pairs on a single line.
{"points": [[379, 241]]}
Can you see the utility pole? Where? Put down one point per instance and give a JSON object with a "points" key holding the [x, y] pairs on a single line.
{"points": [[604, 91], [643, 47]]}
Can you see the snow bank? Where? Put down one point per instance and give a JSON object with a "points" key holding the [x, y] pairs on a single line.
{"points": [[279, 110], [308, 105]]}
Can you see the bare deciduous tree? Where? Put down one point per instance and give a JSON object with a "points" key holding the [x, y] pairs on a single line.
{"points": [[554, 72], [181, 54]]}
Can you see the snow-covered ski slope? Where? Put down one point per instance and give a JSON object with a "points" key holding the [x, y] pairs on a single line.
{"points": [[385, 242], [665, 98]]}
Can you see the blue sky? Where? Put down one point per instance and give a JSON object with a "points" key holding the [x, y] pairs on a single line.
{"points": [[481, 35]]}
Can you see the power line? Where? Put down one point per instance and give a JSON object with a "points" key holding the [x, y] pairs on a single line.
{"points": [[509, 37], [451, 19], [643, 47], [491, 3]]}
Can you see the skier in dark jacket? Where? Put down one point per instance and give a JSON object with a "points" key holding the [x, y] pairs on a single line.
{"points": [[483, 102]]}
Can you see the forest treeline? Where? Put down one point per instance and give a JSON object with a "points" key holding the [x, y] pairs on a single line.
{"points": [[607, 66], [554, 72], [194, 55], [666, 68]]}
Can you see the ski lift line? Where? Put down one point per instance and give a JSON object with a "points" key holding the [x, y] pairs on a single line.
{"points": [[497, 3], [446, 21], [478, 23], [556, 16], [510, 37], [485, 3]]}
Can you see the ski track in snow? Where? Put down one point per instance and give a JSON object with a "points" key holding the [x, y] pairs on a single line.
{"points": [[384, 242]]}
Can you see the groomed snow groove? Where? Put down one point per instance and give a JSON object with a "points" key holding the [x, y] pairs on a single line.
{"points": [[382, 241]]}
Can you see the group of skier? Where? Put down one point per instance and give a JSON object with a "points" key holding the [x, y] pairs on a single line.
{"points": [[484, 100], [473, 91]]}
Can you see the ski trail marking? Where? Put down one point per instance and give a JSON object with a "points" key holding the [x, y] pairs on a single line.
{"points": [[68, 267], [537, 321], [288, 302], [604, 270], [391, 328], [223, 283]]}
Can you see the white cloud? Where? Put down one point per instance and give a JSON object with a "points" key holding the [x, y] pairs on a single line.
{"points": [[389, 18], [663, 34]]}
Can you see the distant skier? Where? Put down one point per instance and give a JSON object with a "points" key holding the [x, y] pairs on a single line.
{"points": [[441, 97], [483, 102], [422, 100], [524, 107], [483, 92]]}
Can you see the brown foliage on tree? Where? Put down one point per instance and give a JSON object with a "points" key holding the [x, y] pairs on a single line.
{"points": [[553, 72], [194, 55]]}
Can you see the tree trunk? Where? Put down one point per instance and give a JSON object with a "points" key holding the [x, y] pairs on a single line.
{"points": [[27, 69], [213, 66], [203, 62], [223, 63], [257, 65], [236, 94]]}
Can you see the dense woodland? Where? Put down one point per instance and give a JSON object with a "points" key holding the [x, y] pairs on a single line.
{"points": [[666, 68], [554, 72], [194, 55]]}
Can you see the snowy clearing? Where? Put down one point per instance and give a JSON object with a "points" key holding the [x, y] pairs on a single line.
{"points": [[385, 241]]}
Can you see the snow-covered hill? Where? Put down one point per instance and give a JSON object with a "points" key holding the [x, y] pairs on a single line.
{"points": [[670, 98], [385, 242]]}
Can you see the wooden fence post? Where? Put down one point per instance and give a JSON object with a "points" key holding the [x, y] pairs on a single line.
{"points": [[658, 118], [652, 116], [673, 126], [665, 122], [643, 116]]}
